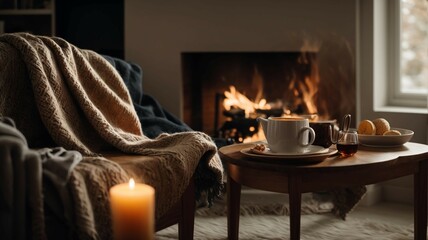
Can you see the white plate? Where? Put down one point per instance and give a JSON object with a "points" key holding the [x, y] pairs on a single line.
{"points": [[312, 149], [314, 157], [386, 141]]}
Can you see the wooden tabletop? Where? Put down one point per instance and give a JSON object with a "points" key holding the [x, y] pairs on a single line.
{"points": [[369, 165], [365, 156]]}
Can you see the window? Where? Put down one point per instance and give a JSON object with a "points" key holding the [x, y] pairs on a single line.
{"points": [[409, 71]]}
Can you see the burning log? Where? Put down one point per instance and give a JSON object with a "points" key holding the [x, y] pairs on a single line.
{"points": [[239, 129], [274, 112], [234, 113]]}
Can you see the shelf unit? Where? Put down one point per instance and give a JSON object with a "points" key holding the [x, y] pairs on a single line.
{"points": [[92, 24], [40, 21], [89, 24]]}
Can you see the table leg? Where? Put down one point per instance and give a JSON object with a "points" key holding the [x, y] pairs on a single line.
{"points": [[233, 208], [420, 201], [295, 197]]}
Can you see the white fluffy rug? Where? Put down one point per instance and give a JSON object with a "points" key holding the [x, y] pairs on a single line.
{"points": [[313, 226], [265, 216]]}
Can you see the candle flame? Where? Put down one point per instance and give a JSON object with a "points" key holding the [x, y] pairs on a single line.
{"points": [[131, 183]]}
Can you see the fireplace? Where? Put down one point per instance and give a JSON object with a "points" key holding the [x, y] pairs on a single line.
{"points": [[224, 92]]}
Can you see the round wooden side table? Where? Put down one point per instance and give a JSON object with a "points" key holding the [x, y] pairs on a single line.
{"points": [[367, 166]]}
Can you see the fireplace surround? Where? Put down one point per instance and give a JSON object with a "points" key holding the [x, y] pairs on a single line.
{"points": [[291, 82]]}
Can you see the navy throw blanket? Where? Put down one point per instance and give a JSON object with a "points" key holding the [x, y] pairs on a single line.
{"points": [[153, 117]]}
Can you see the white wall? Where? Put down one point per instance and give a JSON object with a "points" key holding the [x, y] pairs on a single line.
{"points": [[156, 32]]}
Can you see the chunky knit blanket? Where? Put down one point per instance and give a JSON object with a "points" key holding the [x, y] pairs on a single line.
{"points": [[60, 95]]}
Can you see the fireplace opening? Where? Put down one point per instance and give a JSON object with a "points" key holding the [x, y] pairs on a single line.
{"points": [[225, 92]]}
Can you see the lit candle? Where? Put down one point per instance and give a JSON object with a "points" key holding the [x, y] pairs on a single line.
{"points": [[133, 208]]}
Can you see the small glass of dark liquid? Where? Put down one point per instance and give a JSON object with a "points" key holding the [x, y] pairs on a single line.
{"points": [[348, 144]]}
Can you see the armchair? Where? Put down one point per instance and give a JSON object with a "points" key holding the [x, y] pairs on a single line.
{"points": [[61, 96]]}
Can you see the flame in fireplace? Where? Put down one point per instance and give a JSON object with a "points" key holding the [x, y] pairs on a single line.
{"points": [[305, 92], [236, 99]]}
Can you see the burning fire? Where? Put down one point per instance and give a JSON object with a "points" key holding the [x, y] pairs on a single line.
{"points": [[304, 93], [307, 90], [236, 99]]}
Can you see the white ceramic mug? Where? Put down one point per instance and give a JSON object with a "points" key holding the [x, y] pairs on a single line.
{"points": [[287, 134]]}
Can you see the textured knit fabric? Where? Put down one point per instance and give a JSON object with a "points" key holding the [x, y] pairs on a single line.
{"points": [[60, 95]]}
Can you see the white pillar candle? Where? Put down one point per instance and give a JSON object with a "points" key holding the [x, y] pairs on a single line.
{"points": [[133, 208]]}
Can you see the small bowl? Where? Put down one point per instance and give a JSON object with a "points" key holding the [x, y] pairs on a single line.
{"points": [[388, 140]]}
